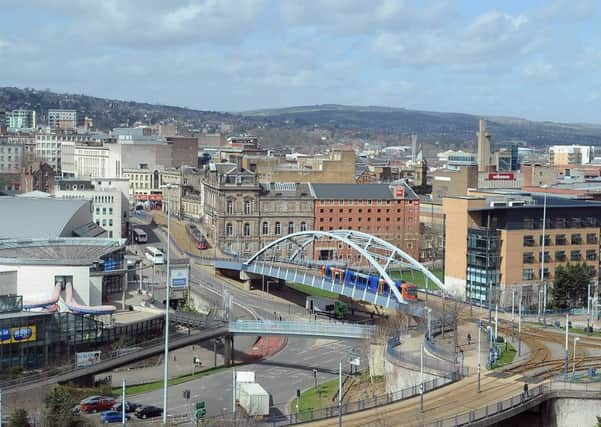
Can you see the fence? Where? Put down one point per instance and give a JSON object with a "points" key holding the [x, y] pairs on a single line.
{"points": [[535, 396], [432, 365]]}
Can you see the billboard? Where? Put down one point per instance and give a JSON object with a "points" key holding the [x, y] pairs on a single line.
{"points": [[18, 335], [180, 276], [87, 358]]}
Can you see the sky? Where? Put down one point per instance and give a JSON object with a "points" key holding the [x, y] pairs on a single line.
{"points": [[539, 60]]}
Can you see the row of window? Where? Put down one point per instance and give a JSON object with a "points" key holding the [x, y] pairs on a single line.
{"points": [[358, 202], [531, 274], [104, 210], [248, 207], [358, 210], [229, 228], [360, 219], [561, 239], [104, 222], [560, 256]]}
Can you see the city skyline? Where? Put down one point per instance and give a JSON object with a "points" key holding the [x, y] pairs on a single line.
{"points": [[535, 60]]}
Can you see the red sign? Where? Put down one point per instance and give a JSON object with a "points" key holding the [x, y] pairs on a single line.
{"points": [[155, 197], [400, 192], [501, 176]]}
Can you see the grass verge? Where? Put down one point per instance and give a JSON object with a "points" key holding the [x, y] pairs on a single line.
{"points": [[315, 398], [309, 290], [575, 331], [155, 385], [506, 358], [417, 277]]}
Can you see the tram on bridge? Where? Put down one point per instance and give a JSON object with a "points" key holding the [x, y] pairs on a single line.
{"points": [[373, 282]]}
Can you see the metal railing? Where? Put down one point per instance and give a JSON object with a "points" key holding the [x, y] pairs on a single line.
{"points": [[286, 327], [431, 365], [536, 395]]}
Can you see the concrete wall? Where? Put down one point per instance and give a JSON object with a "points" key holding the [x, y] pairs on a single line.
{"points": [[572, 413], [36, 281], [399, 377]]}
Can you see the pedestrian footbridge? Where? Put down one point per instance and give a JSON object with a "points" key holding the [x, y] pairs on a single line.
{"points": [[301, 328]]}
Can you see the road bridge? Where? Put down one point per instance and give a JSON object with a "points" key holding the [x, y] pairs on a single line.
{"points": [[306, 329]]}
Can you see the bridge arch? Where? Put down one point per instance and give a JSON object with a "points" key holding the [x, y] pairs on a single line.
{"points": [[379, 253]]}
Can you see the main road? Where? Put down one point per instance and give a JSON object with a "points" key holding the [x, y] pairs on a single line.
{"points": [[290, 369]]}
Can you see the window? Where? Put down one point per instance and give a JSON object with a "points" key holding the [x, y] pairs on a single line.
{"points": [[528, 241], [591, 254], [247, 207], [246, 229], [547, 240], [230, 207], [229, 229], [303, 226], [97, 211], [265, 228], [110, 222], [560, 239], [560, 256], [527, 274], [103, 211], [278, 228], [110, 211], [575, 256], [591, 238], [104, 222], [290, 227], [546, 257], [528, 258], [576, 239]]}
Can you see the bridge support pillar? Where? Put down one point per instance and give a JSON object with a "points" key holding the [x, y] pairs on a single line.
{"points": [[228, 351]]}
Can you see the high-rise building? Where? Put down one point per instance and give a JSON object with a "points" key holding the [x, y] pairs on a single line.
{"points": [[483, 147], [570, 154], [62, 119], [21, 119]]}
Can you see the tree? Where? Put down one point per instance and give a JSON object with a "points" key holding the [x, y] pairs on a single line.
{"points": [[570, 285], [58, 409], [19, 418]]}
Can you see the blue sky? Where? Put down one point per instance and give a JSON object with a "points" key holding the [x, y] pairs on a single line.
{"points": [[539, 60]]}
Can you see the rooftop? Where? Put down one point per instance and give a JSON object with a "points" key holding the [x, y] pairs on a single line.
{"points": [[68, 251], [360, 191], [35, 217]]}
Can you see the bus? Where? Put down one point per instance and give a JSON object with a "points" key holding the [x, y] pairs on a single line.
{"points": [[154, 255], [140, 235]]}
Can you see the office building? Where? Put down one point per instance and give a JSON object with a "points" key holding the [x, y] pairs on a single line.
{"points": [[20, 119], [497, 241], [110, 206], [571, 154], [62, 119]]}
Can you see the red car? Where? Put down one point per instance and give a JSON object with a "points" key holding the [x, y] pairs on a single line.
{"points": [[97, 403]]}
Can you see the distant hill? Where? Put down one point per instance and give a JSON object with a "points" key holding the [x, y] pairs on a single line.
{"points": [[294, 125], [107, 113], [454, 127]]}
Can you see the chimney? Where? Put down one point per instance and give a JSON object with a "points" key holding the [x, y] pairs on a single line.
{"points": [[483, 147]]}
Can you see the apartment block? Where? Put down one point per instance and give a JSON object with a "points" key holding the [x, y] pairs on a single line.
{"points": [[62, 119]]}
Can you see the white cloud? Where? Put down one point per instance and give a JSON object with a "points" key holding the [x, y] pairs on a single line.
{"points": [[541, 71]]}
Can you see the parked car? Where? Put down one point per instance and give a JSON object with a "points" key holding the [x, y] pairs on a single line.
{"points": [[97, 404], [148, 411], [129, 406], [112, 417]]}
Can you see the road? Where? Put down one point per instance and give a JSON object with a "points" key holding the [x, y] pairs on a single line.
{"points": [[281, 375]]}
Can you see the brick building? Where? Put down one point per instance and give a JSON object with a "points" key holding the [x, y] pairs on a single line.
{"points": [[389, 211]]}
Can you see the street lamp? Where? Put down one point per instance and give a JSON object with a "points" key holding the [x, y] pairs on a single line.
{"points": [[576, 339], [429, 310], [167, 289], [479, 357], [542, 255]]}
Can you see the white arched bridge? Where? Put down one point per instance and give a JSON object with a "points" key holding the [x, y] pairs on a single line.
{"points": [[346, 262]]}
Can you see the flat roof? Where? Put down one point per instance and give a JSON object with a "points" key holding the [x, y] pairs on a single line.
{"points": [[62, 251], [539, 202]]}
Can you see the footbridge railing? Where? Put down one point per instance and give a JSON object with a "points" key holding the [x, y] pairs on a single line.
{"points": [[290, 328]]}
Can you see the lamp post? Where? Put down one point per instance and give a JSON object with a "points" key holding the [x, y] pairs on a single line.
{"points": [[520, 325], [421, 380], [512, 313], [167, 289], [567, 349], [479, 357], [542, 255], [123, 418], [576, 339], [340, 394]]}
